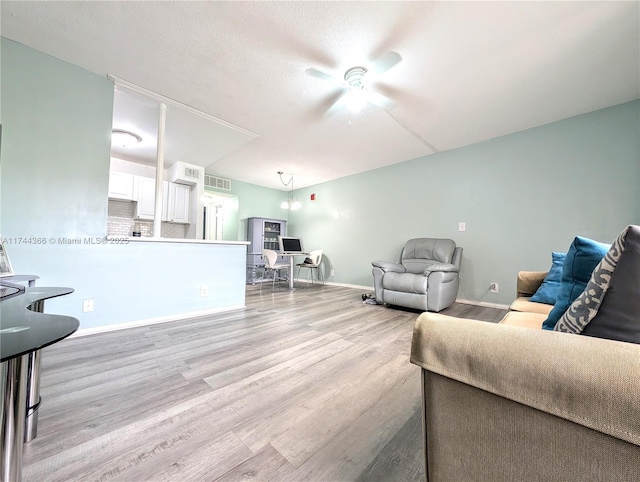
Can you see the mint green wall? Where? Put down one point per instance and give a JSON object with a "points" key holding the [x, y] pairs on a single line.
{"points": [[521, 196], [56, 122], [252, 202], [55, 146]]}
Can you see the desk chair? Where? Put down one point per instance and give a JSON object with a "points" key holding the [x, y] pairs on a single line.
{"points": [[271, 266], [316, 258]]}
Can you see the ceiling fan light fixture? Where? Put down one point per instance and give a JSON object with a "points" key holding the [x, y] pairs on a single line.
{"points": [[356, 100], [353, 77], [354, 84], [124, 138]]}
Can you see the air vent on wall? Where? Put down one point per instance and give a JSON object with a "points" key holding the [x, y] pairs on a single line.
{"points": [[217, 182], [191, 173]]}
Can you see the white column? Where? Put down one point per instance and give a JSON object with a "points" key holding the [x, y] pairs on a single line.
{"points": [[157, 212]]}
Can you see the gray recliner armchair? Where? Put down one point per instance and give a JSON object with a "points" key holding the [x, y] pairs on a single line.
{"points": [[426, 278]]}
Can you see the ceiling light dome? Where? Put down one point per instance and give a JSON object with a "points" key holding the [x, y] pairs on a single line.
{"points": [[124, 138]]}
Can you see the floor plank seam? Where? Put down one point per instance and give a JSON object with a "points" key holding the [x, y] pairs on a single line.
{"points": [[304, 385]]}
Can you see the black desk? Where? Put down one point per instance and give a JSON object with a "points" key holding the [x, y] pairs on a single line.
{"points": [[21, 278], [24, 331]]}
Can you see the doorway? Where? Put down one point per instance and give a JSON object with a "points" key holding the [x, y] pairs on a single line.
{"points": [[214, 215]]}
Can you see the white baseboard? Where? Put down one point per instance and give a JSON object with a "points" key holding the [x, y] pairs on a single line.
{"points": [[346, 285], [153, 321], [458, 300], [482, 303]]}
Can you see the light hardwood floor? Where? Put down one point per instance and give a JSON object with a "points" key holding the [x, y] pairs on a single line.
{"points": [[304, 385]]}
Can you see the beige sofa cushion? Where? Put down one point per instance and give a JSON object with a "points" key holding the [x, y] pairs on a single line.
{"points": [[528, 282], [588, 381], [522, 319], [523, 304]]}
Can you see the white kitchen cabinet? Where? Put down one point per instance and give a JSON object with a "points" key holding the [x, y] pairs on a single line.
{"points": [[145, 195], [179, 203], [121, 186], [175, 200]]}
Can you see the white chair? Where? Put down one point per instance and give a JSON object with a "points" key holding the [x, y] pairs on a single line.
{"points": [[316, 258], [271, 266]]}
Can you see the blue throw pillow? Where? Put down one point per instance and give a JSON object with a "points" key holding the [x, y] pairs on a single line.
{"points": [[548, 290], [609, 307], [582, 258]]}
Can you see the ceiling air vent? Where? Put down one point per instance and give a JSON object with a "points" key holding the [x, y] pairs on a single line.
{"points": [[217, 182]]}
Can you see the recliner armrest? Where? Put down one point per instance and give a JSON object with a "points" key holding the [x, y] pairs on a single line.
{"points": [[444, 267], [388, 266]]}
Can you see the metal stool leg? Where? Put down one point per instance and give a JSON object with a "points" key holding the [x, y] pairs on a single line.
{"points": [[14, 379], [264, 272]]}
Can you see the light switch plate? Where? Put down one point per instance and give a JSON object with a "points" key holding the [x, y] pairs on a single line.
{"points": [[87, 305]]}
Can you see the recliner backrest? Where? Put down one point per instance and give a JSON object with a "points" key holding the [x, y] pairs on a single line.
{"points": [[419, 253]]}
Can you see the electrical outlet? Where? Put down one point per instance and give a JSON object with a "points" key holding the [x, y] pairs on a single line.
{"points": [[332, 273], [204, 291], [87, 305], [494, 288], [462, 226]]}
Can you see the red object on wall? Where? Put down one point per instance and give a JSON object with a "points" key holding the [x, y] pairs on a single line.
{"points": [[313, 197]]}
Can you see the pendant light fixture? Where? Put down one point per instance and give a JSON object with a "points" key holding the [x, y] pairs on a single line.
{"points": [[290, 203]]}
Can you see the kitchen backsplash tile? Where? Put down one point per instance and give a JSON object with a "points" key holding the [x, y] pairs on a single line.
{"points": [[120, 218], [120, 221], [173, 230]]}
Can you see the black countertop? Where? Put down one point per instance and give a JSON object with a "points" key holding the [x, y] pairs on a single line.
{"points": [[23, 330]]}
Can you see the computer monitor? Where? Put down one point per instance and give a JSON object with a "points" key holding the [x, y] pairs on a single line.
{"points": [[289, 244]]}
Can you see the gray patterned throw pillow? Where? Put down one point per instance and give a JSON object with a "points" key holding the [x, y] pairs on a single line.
{"points": [[586, 306]]}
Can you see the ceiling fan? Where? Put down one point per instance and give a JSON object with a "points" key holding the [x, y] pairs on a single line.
{"points": [[355, 93]]}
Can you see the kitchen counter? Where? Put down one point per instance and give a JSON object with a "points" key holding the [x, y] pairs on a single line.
{"points": [[125, 240], [135, 281]]}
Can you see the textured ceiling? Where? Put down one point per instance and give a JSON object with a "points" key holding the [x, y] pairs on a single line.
{"points": [[471, 71]]}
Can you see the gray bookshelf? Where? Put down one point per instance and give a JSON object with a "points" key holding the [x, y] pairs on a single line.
{"points": [[262, 233]]}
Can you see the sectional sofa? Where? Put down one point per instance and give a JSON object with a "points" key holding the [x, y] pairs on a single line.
{"points": [[503, 403], [524, 312]]}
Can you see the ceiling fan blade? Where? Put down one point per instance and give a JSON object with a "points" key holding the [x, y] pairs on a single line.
{"points": [[321, 75], [339, 104], [385, 62], [380, 100]]}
